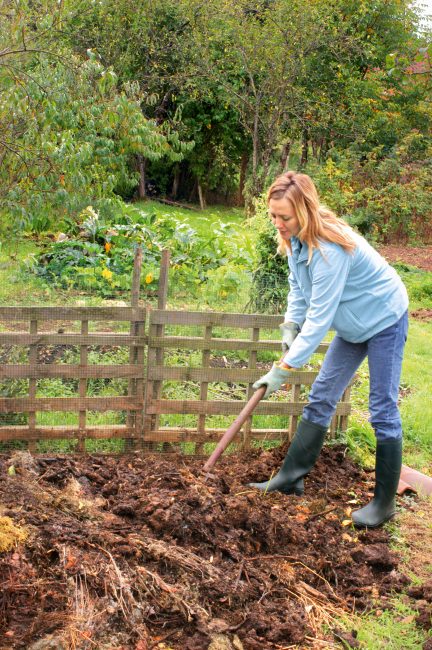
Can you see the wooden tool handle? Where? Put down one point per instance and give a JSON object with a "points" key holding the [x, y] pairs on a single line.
{"points": [[235, 427]]}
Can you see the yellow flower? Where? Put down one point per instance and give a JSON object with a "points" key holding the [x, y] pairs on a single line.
{"points": [[107, 274], [149, 278], [108, 246]]}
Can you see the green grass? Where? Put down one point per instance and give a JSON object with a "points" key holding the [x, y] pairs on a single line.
{"points": [[416, 408], [201, 220], [18, 286], [389, 629], [418, 283]]}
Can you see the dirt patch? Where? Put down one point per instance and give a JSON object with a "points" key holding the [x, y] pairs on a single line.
{"points": [[422, 314], [419, 256], [133, 552]]}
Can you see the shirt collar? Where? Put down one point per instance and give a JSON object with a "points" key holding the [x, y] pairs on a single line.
{"points": [[300, 250]]}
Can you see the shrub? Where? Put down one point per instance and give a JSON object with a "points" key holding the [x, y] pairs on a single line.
{"points": [[270, 277]]}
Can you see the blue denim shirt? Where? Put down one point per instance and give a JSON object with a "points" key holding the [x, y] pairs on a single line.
{"points": [[358, 294]]}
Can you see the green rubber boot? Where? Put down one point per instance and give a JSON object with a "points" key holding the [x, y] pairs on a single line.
{"points": [[388, 463], [301, 457]]}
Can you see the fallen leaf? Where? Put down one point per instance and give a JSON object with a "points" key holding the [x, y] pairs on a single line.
{"points": [[408, 619]]}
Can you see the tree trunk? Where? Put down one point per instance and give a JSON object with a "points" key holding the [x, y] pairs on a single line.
{"points": [[305, 149], [193, 191], [255, 150], [323, 149], [315, 148], [284, 156], [141, 169], [176, 182], [201, 196], [243, 168]]}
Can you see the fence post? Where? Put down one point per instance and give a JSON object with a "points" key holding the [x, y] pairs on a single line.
{"points": [[132, 418], [82, 422], [33, 359], [154, 389], [163, 279]]}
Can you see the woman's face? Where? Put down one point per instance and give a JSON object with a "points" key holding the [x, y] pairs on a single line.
{"points": [[283, 217]]}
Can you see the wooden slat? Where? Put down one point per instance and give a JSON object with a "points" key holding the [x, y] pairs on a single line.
{"points": [[231, 407], [210, 435], [157, 384], [39, 371], [53, 338], [150, 392], [346, 397], [333, 425], [139, 381], [8, 433], [295, 396], [197, 343], [167, 317], [236, 375], [83, 388], [247, 427], [133, 331], [73, 313], [33, 357], [204, 385], [163, 279], [167, 434], [25, 404]]}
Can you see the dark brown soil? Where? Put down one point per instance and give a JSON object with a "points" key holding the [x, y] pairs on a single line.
{"points": [[140, 552], [419, 256]]}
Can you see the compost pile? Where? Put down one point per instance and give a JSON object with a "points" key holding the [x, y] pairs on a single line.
{"points": [[147, 552]]}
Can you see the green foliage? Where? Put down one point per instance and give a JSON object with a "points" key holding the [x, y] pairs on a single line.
{"points": [[101, 258], [74, 133], [211, 93], [385, 197], [270, 276]]}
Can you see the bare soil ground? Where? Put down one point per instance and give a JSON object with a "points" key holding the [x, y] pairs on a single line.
{"points": [[141, 552], [419, 256]]}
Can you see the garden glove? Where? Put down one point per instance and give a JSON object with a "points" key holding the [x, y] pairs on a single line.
{"points": [[289, 332], [274, 380]]}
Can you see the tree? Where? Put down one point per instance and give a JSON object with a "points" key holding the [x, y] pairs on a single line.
{"points": [[69, 133]]}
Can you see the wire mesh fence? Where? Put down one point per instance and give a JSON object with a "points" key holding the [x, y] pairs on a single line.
{"points": [[125, 378]]}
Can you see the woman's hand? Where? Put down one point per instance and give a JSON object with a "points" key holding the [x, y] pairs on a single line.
{"points": [[275, 379], [289, 332]]}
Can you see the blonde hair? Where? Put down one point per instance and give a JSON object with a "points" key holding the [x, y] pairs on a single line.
{"points": [[317, 223]]}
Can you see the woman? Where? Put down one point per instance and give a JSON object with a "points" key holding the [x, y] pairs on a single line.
{"points": [[337, 280]]}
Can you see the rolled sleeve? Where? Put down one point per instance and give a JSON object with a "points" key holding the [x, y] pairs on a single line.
{"points": [[329, 271]]}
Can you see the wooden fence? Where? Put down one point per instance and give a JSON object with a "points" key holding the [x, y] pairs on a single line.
{"points": [[252, 342], [146, 403], [35, 337]]}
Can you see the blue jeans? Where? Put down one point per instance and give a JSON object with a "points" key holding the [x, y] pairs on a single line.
{"points": [[385, 353]]}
